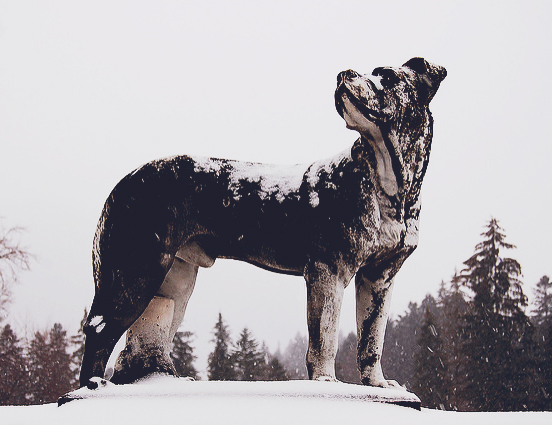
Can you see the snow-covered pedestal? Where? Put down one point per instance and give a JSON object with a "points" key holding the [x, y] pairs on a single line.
{"points": [[191, 392]]}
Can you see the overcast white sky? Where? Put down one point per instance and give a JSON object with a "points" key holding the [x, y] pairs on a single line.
{"points": [[91, 90]]}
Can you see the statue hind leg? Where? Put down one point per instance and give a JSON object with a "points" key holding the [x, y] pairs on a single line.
{"points": [[149, 339], [123, 291], [102, 331]]}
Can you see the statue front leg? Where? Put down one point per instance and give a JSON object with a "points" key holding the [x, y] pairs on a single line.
{"points": [[324, 297], [373, 299]]}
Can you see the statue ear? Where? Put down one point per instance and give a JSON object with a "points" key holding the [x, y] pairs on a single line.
{"points": [[429, 75]]}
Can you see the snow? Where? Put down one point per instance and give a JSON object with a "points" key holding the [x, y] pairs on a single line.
{"points": [[278, 181], [208, 165], [376, 79], [170, 400], [314, 200], [96, 320], [274, 180], [327, 166]]}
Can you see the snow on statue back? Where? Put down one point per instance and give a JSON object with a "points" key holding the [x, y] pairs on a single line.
{"points": [[356, 213]]}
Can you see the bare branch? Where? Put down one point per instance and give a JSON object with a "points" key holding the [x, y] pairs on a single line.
{"points": [[13, 260]]}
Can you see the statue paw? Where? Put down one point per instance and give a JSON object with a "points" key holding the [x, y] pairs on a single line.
{"points": [[390, 383], [384, 383], [326, 379], [96, 382]]}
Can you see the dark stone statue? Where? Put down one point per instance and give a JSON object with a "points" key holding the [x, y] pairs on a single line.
{"points": [[353, 215]]}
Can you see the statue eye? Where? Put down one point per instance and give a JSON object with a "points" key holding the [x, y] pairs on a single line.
{"points": [[388, 77]]}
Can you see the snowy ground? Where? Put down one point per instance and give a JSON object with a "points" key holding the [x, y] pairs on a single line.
{"points": [[168, 400]]}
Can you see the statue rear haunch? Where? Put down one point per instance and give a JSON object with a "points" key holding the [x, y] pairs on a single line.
{"points": [[355, 214]]}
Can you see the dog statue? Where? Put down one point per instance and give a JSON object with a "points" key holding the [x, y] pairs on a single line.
{"points": [[353, 215]]}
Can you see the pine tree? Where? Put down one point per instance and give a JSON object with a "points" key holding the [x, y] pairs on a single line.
{"points": [[275, 370], [49, 366], [392, 350], [294, 357], [346, 369], [542, 318], [452, 307], [13, 369], [545, 368], [430, 368], [496, 333], [248, 360], [39, 361], [220, 366], [182, 355], [401, 343], [61, 362], [77, 342], [542, 313]]}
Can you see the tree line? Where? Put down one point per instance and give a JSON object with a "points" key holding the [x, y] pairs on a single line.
{"points": [[37, 371], [471, 347]]}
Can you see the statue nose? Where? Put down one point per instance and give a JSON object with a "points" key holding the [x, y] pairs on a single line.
{"points": [[346, 75]]}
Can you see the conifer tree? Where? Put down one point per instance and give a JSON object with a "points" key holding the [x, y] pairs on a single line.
{"points": [[401, 343], [542, 313], [392, 350], [452, 307], [77, 343], [430, 369], [39, 358], [275, 370], [294, 357], [182, 355], [542, 318], [545, 372], [49, 366], [496, 333], [346, 369], [220, 366], [13, 369], [61, 361], [248, 360]]}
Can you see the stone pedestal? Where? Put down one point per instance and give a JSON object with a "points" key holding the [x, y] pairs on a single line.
{"points": [[192, 392]]}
